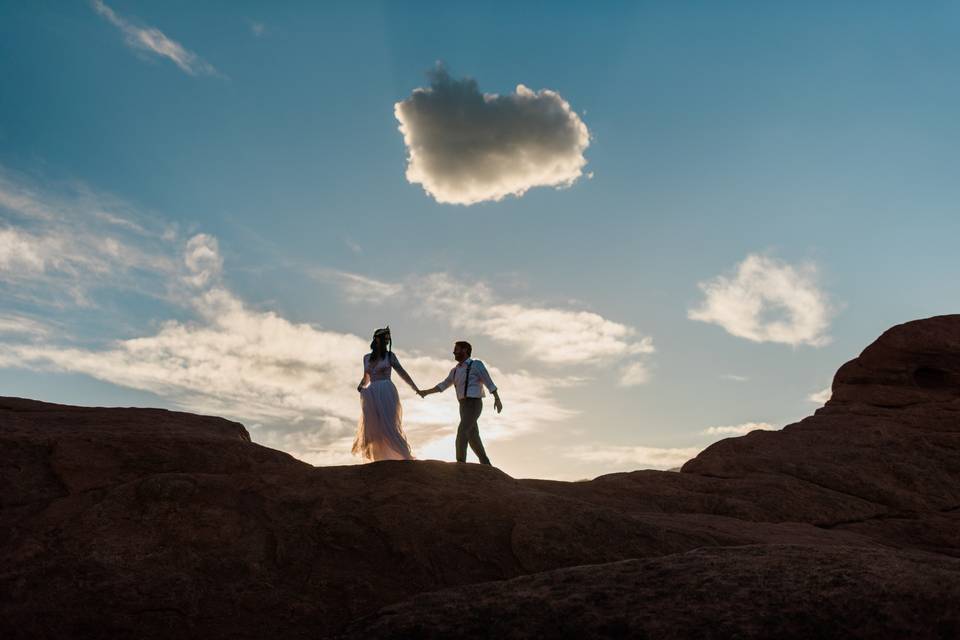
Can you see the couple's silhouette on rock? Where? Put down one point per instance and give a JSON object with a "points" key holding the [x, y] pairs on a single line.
{"points": [[380, 430]]}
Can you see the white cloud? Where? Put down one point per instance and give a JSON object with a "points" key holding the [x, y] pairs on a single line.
{"points": [[203, 260], [634, 374], [766, 300], [822, 396], [152, 40], [739, 429], [467, 147], [634, 457], [555, 336]]}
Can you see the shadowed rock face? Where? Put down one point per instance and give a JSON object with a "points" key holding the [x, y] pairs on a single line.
{"points": [[148, 523]]}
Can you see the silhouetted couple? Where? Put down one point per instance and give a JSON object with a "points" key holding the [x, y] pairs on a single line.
{"points": [[380, 431]]}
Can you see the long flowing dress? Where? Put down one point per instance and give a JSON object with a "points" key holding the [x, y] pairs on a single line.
{"points": [[380, 430]]}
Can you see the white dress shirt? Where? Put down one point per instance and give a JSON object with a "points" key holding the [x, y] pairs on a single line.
{"points": [[479, 378]]}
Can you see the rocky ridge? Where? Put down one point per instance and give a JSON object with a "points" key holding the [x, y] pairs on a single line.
{"points": [[148, 523]]}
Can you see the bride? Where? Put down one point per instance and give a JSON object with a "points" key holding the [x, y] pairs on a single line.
{"points": [[380, 431]]}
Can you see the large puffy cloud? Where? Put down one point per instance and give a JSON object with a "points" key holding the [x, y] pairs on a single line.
{"points": [[767, 300], [466, 146]]}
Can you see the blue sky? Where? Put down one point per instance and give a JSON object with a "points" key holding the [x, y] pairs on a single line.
{"points": [[220, 226]]}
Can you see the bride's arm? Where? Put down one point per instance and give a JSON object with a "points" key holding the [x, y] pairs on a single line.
{"points": [[365, 381], [395, 363]]}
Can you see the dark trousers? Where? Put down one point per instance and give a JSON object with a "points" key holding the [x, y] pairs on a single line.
{"points": [[469, 431]]}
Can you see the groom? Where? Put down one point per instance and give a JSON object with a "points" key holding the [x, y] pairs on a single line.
{"points": [[468, 378]]}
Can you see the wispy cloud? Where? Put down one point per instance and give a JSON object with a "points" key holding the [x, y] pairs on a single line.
{"points": [[153, 41], [821, 397], [551, 335], [59, 244], [739, 429], [467, 147], [258, 29], [358, 288], [17, 324], [766, 300], [547, 334]]}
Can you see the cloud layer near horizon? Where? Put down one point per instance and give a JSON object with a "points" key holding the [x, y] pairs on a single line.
{"points": [[766, 300], [739, 429], [292, 383], [293, 378], [635, 457], [467, 147]]}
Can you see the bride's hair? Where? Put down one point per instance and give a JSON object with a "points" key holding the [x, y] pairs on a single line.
{"points": [[378, 348]]}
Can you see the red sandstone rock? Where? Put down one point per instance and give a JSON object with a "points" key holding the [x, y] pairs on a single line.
{"points": [[766, 591], [148, 523]]}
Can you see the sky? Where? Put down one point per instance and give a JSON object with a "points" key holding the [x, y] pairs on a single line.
{"points": [[660, 224]]}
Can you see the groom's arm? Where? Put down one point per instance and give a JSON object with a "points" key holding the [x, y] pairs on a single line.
{"points": [[440, 386], [488, 383]]}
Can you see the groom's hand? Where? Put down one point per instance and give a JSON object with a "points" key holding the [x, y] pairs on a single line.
{"points": [[497, 404]]}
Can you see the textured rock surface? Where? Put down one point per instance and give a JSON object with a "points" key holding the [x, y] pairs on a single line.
{"points": [[148, 523], [765, 591]]}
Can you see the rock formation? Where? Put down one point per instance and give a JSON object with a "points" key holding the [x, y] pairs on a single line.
{"points": [[155, 524]]}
